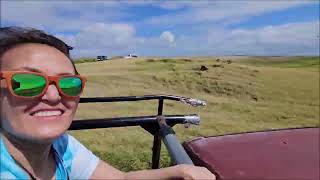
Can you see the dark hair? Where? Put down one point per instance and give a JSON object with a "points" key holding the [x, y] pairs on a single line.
{"points": [[13, 36]]}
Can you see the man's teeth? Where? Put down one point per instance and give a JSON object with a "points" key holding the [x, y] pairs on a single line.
{"points": [[47, 113]]}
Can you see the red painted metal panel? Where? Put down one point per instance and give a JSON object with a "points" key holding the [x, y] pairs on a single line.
{"points": [[289, 154]]}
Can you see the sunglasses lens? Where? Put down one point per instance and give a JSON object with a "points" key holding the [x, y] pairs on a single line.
{"points": [[71, 86], [28, 85]]}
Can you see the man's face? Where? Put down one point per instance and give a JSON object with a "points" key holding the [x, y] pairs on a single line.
{"points": [[44, 118]]}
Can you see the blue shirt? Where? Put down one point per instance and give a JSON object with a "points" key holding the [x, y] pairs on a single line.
{"points": [[73, 160]]}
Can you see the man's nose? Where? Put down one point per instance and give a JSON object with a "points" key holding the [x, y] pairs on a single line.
{"points": [[52, 94]]}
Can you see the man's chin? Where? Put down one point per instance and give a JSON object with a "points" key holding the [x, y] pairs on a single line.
{"points": [[47, 137], [42, 137], [41, 140], [48, 132]]}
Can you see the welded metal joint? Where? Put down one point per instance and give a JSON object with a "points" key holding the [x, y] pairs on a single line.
{"points": [[192, 119], [164, 128], [193, 102]]}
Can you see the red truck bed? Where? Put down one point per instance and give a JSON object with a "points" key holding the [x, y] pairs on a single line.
{"points": [[288, 154]]}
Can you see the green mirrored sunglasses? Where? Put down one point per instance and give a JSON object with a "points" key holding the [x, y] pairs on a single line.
{"points": [[33, 84]]}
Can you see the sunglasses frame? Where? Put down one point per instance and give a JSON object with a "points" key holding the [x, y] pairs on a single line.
{"points": [[7, 75]]}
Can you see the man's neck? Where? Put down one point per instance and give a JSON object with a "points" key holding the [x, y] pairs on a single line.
{"points": [[34, 157]]}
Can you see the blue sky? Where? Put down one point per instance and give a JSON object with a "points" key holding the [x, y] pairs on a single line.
{"points": [[173, 28], [304, 13]]}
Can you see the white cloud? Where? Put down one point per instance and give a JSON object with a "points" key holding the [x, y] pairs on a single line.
{"points": [[168, 37], [58, 15], [222, 11], [104, 39], [96, 28], [287, 39], [25, 13], [121, 39], [174, 5], [107, 35], [55, 15], [116, 39]]}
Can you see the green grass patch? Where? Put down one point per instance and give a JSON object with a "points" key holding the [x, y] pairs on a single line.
{"points": [[296, 62]]}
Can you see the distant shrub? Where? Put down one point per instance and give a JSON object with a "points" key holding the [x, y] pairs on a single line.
{"points": [[186, 60], [167, 60], [150, 60], [84, 60], [175, 60]]}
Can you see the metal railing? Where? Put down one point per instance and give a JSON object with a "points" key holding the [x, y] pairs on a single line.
{"points": [[150, 123]]}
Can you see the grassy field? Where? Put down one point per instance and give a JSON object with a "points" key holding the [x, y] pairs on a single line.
{"points": [[247, 94]]}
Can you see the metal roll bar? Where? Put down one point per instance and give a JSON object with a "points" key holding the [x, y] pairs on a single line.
{"points": [[133, 121], [175, 149], [149, 123]]}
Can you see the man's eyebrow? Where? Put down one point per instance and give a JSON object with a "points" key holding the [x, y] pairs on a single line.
{"points": [[37, 70]]}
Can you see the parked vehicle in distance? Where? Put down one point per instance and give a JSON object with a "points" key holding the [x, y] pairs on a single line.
{"points": [[131, 56], [102, 58]]}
